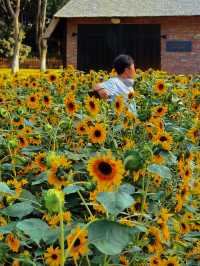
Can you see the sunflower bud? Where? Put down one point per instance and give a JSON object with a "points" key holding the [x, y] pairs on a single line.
{"points": [[51, 157], [13, 143], [21, 110], [54, 199], [3, 112], [48, 128]]}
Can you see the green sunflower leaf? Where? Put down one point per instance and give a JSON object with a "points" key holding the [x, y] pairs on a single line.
{"points": [[36, 229], [5, 189], [160, 170], [109, 237], [115, 202], [18, 210]]}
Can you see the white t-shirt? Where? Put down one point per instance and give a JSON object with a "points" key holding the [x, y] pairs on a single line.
{"points": [[117, 86]]}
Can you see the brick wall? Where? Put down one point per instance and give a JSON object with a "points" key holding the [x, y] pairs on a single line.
{"points": [[175, 28]]}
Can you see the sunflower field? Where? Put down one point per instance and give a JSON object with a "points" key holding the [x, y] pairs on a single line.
{"points": [[85, 182]]}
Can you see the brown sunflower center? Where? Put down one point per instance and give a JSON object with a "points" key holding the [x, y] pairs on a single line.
{"points": [[42, 160], [21, 140], [77, 243], [71, 106], [117, 105], [160, 110], [52, 78], [137, 206], [161, 87], [105, 168], [155, 261], [183, 226], [97, 133], [170, 264], [54, 256], [46, 99], [163, 138], [92, 105], [152, 239], [32, 99]]}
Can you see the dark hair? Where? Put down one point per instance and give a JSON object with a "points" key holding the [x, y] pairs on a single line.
{"points": [[122, 62]]}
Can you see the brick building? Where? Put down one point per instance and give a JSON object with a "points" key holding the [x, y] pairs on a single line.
{"points": [[163, 34]]}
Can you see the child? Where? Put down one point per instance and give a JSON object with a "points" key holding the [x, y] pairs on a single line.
{"points": [[122, 84]]}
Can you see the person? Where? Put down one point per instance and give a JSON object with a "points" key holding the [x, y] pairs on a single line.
{"points": [[122, 84]]}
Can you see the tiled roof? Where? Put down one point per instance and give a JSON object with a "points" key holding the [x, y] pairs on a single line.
{"points": [[129, 8]]}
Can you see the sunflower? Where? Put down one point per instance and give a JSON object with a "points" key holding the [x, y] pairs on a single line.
{"points": [[53, 256], [154, 239], [32, 101], [92, 105], [70, 104], [119, 104], [184, 227], [52, 77], [77, 243], [129, 120], [127, 144], [27, 130], [15, 262], [194, 134], [171, 261], [97, 134], [35, 139], [40, 160], [138, 205], [155, 261], [57, 175], [131, 94], [164, 139], [159, 110], [34, 84], [106, 170], [123, 260], [81, 128], [158, 159], [46, 100], [22, 141], [13, 243], [160, 87], [157, 180], [17, 121]]}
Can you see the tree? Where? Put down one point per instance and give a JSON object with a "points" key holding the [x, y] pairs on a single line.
{"points": [[45, 11], [14, 10], [40, 30]]}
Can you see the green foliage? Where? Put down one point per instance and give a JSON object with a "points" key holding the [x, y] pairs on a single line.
{"points": [[7, 48], [109, 237], [18, 210], [36, 229], [115, 202]]}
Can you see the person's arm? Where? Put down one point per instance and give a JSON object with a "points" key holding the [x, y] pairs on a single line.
{"points": [[101, 91]]}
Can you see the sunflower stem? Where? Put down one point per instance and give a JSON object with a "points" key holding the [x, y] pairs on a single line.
{"points": [[85, 204], [62, 241], [88, 261]]}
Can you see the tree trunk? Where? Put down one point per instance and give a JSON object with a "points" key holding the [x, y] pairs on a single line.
{"points": [[43, 54], [15, 16], [15, 60], [42, 42]]}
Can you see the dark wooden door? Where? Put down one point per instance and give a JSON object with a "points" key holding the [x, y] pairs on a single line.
{"points": [[98, 45]]}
